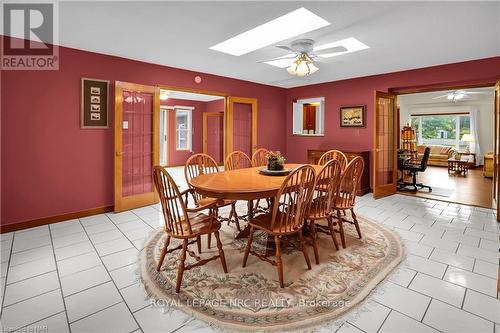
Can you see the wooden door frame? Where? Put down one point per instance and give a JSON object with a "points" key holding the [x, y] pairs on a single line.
{"points": [[382, 192], [205, 123], [140, 200], [228, 146]]}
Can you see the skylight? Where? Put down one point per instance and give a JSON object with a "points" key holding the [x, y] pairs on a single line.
{"points": [[351, 44], [287, 26]]}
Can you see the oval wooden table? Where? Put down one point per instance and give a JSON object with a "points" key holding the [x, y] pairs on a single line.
{"points": [[242, 184]]}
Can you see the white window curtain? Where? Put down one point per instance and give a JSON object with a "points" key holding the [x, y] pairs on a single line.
{"points": [[474, 127]]}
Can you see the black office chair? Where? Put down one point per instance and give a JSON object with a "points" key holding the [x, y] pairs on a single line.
{"points": [[415, 168]]}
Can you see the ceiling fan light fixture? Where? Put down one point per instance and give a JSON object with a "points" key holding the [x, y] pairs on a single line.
{"points": [[164, 95], [302, 66]]}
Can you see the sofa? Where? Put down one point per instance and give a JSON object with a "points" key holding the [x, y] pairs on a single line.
{"points": [[439, 154]]}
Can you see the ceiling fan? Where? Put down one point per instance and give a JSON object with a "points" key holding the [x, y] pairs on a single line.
{"points": [[456, 95], [303, 55]]}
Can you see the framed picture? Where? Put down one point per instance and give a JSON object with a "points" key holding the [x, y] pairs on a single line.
{"points": [[94, 112], [352, 116]]}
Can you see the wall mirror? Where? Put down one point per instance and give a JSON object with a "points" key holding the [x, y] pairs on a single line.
{"points": [[309, 117]]}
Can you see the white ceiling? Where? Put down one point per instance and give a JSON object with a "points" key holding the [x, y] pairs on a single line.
{"points": [[191, 96], [401, 35], [485, 96]]}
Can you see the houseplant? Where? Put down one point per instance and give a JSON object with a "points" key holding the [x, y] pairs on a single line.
{"points": [[275, 161]]}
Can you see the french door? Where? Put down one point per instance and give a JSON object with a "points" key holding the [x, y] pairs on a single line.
{"points": [[385, 144], [137, 117], [496, 167], [241, 125], [213, 135]]}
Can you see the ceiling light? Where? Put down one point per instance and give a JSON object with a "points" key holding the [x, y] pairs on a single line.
{"points": [[164, 95], [456, 95], [302, 66], [287, 26], [351, 44]]}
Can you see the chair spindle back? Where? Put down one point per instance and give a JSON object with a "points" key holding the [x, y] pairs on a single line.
{"points": [[292, 200], [173, 206], [259, 157], [333, 155], [237, 160], [349, 183], [325, 189], [196, 165]]}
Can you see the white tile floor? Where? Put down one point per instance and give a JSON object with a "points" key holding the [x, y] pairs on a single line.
{"points": [[79, 275]]}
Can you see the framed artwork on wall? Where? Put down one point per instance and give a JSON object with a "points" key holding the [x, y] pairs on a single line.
{"points": [[352, 116], [94, 96]]}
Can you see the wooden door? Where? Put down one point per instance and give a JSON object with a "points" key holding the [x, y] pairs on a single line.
{"points": [[213, 135], [241, 125], [496, 150], [137, 117], [385, 145]]}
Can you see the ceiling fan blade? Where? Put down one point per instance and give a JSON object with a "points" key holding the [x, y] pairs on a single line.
{"points": [[285, 47], [335, 49], [440, 96], [279, 58]]}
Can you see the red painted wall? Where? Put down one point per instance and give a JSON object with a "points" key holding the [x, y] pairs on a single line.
{"points": [[361, 91], [50, 166], [178, 157]]}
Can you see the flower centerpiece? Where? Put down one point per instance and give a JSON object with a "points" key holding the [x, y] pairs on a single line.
{"points": [[275, 161]]}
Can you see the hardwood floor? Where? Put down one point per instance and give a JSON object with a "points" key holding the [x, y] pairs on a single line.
{"points": [[474, 189]]}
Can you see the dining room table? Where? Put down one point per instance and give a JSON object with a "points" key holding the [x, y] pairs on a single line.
{"points": [[246, 184]]}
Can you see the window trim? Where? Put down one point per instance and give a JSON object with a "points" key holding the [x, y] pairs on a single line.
{"points": [[188, 111]]}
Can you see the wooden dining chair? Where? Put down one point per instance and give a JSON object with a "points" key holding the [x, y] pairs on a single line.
{"points": [[346, 195], [259, 157], [186, 224], [286, 218], [237, 160], [334, 155], [325, 189], [201, 164]]}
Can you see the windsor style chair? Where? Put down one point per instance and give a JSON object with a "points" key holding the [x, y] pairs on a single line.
{"points": [[186, 224], [325, 190], [201, 164], [286, 218]]}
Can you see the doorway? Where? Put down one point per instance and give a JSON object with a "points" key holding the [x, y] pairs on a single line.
{"points": [[456, 125], [184, 124], [484, 164]]}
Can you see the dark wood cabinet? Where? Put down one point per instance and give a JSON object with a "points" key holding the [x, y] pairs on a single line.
{"points": [[313, 156]]}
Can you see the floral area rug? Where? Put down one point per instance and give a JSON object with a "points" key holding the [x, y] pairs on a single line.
{"points": [[250, 299]]}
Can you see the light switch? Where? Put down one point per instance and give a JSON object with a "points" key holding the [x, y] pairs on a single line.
{"points": [[125, 125]]}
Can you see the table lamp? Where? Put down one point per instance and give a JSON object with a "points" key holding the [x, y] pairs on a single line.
{"points": [[469, 139]]}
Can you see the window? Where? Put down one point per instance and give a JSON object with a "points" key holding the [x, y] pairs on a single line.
{"points": [[445, 129], [183, 129]]}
